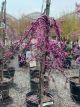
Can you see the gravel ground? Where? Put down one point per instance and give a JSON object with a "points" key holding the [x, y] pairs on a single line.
{"points": [[61, 91], [21, 86]]}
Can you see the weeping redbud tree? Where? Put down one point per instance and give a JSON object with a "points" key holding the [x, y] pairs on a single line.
{"points": [[44, 45], [50, 54]]}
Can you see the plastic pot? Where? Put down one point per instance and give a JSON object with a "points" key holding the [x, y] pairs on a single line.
{"points": [[12, 57], [35, 84], [9, 73], [20, 64], [32, 99], [4, 88], [75, 89], [34, 72]]}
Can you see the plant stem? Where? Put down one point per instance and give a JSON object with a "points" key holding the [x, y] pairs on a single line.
{"points": [[79, 75], [42, 66], [41, 81]]}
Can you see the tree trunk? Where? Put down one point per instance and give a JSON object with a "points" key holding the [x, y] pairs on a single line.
{"points": [[41, 81], [79, 75]]}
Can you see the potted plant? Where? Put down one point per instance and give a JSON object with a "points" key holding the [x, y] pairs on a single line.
{"points": [[33, 99], [8, 71], [48, 53], [4, 82], [75, 84], [35, 84]]}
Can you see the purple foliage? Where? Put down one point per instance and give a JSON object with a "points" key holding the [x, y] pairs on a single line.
{"points": [[40, 31], [78, 60]]}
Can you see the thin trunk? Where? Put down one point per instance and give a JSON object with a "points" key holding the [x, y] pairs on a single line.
{"points": [[48, 7], [41, 81], [79, 75], [42, 66], [3, 37], [1, 71], [4, 17]]}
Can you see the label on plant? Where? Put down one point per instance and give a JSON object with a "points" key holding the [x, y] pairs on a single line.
{"points": [[32, 64], [28, 56]]}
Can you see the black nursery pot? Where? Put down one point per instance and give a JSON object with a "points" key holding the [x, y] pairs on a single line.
{"points": [[9, 73], [1, 61], [32, 99], [4, 89], [75, 89], [35, 84], [21, 64], [12, 57], [34, 72], [34, 78], [30, 103]]}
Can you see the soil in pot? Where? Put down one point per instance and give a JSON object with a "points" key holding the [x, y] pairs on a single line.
{"points": [[32, 99], [75, 89]]}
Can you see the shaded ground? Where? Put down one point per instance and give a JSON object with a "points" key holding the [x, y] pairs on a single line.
{"points": [[21, 86]]}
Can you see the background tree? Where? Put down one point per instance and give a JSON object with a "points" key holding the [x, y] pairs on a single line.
{"points": [[69, 25], [23, 24]]}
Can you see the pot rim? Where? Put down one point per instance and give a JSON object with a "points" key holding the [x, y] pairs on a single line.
{"points": [[73, 78]]}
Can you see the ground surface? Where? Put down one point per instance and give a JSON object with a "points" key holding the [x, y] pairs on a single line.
{"points": [[21, 86], [61, 91]]}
